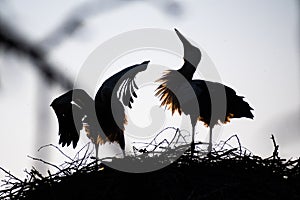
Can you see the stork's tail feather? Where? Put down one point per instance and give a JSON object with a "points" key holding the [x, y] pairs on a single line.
{"points": [[71, 108], [239, 108]]}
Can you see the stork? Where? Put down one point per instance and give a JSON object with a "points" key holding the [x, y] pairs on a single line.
{"points": [[216, 102], [76, 110]]}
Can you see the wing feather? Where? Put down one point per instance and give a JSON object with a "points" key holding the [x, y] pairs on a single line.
{"points": [[165, 93], [70, 109], [128, 86]]}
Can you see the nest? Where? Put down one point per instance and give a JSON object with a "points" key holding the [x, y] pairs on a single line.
{"points": [[225, 173]]}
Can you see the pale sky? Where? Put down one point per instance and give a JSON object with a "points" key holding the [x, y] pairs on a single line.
{"points": [[254, 46]]}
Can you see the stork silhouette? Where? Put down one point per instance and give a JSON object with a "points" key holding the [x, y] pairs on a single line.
{"points": [[76, 110], [216, 102]]}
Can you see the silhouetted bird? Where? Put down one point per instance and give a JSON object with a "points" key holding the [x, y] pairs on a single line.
{"points": [[76, 109], [216, 102]]}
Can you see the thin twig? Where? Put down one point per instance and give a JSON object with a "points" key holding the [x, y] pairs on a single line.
{"points": [[10, 174], [276, 147], [42, 147], [41, 160]]}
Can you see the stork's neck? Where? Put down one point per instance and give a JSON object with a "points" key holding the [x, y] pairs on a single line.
{"points": [[187, 70]]}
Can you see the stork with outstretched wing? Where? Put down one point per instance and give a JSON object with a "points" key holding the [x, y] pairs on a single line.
{"points": [[103, 118]]}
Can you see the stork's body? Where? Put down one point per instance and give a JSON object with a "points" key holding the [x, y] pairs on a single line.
{"points": [[103, 118], [205, 101]]}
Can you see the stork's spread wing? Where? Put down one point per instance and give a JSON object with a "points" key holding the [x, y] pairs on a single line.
{"points": [[127, 85], [70, 109]]}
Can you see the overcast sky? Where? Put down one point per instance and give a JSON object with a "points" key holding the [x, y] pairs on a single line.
{"points": [[254, 46]]}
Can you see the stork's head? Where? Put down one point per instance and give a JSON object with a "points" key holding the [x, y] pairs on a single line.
{"points": [[191, 53]]}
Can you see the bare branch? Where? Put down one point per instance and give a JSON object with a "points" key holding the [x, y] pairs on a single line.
{"points": [[12, 41]]}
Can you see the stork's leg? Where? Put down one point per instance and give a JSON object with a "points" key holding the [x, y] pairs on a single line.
{"points": [[122, 145], [210, 140], [193, 141], [123, 152], [96, 149]]}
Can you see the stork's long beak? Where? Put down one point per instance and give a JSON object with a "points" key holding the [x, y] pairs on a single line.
{"points": [[184, 41], [191, 52]]}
